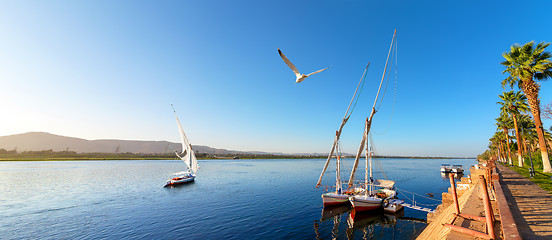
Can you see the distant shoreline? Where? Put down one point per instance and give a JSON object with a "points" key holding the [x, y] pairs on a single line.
{"points": [[36, 159]]}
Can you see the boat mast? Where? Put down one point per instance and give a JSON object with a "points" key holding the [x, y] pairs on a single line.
{"points": [[367, 154], [368, 122], [338, 172], [338, 132]]}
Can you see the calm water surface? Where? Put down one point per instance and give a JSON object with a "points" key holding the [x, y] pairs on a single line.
{"points": [[236, 199]]}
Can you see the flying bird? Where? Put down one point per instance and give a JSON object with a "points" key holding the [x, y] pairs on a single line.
{"points": [[300, 77]]}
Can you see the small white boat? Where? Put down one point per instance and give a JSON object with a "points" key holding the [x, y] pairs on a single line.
{"points": [[457, 169], [180, 178], [392, 205], [338, 196], [446, 168], [333, 198]]}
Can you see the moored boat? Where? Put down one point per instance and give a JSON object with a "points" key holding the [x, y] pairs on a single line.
{"points": [[339, 196], [371, 200], [446, 168], [332, 198], [393, 205], [365, 202], [457, 169]]}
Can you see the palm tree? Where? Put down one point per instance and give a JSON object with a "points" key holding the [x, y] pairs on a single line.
{"points": [[500, 139], [527, 128], [512, 103], [495, 143], [504, 123], [524, 64]]}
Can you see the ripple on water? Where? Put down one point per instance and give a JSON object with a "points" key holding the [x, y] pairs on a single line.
{"points": [[245, 199]]}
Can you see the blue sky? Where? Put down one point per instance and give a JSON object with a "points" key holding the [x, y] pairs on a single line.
{"points": [[111, 69]]}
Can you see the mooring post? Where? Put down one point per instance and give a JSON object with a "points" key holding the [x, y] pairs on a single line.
{"points": [[454, 196], [489, 216]]}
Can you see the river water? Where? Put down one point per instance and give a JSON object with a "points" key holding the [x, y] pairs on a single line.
{"points": [[230, 199]]}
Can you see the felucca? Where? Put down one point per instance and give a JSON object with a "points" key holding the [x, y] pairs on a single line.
{"points": [[187, 156], [339, 196], [369, 200]]}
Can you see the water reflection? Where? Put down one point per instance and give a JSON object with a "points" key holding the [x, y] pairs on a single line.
{"points": [[332, 211], [366, 221], [363, 219], [457, 176], [180, 186]]}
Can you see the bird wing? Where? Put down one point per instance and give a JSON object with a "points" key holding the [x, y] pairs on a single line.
{"points": [[290, 65], [317, 71]]}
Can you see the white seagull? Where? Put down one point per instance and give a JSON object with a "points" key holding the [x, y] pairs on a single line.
{"points": [[300, 77]]}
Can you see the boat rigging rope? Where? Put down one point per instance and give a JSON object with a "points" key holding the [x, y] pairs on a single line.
{"points": [[417, 203], [378, 163], [343, 162], [394, 91], [402, 190], [361, 84]]}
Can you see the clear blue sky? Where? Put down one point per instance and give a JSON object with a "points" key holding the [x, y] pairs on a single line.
{"points": [[111, 69]]}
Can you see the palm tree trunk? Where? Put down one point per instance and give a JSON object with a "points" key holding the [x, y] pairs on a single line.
{"points": [[524, 145], [499, 148], [531, 90], [508, 145], [503, 152], [547, 168], [518, 138]]}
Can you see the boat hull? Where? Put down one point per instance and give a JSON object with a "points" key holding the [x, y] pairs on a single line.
{"points": [[363, 203], [175, 181], [332, 199]]}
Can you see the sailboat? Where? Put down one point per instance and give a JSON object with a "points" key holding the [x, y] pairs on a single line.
{"points": [[339, 196], [369, 199], [187, 156]]}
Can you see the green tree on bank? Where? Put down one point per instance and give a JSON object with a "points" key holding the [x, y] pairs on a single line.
{"points": [[525, 64], [513, 103], [504, 123]]}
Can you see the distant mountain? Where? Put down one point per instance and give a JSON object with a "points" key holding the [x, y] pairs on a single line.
{"points": [[37, 141]]}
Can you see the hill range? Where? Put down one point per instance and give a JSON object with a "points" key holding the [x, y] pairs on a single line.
{"points": [[38, 141]]}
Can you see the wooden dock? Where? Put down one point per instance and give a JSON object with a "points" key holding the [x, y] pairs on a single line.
{"points": [[478, 210], [530, 205]]}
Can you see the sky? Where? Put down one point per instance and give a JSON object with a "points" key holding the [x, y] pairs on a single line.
{"points": [[112, 69]]}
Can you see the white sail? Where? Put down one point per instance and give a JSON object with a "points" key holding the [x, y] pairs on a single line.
{"points": [[187, 155], [194, 166]]}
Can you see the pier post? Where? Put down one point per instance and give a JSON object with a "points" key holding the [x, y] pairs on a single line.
{"points": [[489, 216], [454, 196], [488, 219]]}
